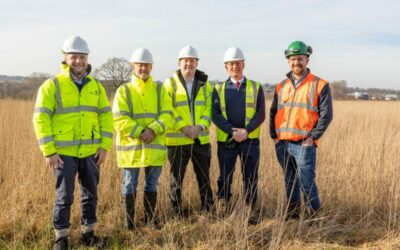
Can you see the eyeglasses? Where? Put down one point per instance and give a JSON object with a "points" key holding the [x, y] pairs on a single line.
{"points": [[299, 58]]}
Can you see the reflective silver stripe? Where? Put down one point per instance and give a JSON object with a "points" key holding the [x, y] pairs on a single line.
{"points": [[140, 147], [178, 119], [167, 112], [61, 110], [181, 103], [248, 119], [250, 105], [292, 130], [132, 133], [106, 134], [128, 100], [43, 110], [46, 139], [67, 110], [297, 105], [144, 115], [220, 88], [173, 83], [77, 142], [176, 135], [205, 118], [200, 103], [58, 93], [310, 100], [76, 109], [161, 124], [253, 83], [204, 133], [88, 108], [120, 113], [280, 92], [204, 92], [159, 85], [312, 92], [105, 109]]}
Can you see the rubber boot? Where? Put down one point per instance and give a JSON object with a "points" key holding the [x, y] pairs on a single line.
{"points": [[130, 211], [150, 201]]}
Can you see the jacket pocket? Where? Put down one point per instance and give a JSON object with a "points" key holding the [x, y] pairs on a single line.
{"points": [[64, 132]]}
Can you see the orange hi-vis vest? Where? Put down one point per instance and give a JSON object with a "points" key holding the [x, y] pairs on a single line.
{"points": [[297, 111]]}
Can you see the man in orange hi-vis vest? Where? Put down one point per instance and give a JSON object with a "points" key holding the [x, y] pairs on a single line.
{"points": [[300, 113]]}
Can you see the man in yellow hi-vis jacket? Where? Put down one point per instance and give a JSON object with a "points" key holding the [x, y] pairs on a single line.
{"points": [[73, 124], [189, 138], [142, 114]]}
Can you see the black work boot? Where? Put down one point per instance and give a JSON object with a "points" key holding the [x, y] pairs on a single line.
{"points": [[176, 204], [150, 201], [312, 216], [91, 240], [61, 243], [254, 216], [130, 211], [293, 211]]}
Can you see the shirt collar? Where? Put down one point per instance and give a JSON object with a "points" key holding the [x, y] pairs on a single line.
{"points": [[294, 80], [241, 81], [77, 80]]}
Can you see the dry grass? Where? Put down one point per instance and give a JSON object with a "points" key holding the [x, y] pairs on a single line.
{"points": [[358, 176]]}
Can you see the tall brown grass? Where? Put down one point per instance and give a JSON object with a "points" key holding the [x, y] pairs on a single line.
{"points": [[358, 174]]}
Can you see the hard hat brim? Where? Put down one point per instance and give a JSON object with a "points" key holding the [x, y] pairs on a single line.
{"points": [[233, 60]]}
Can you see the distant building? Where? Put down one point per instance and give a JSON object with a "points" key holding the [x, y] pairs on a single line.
{"points": [[390, 97], [361, 95]]}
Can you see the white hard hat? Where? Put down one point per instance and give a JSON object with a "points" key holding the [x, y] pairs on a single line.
{"points": [[188, 52], [75, 44], [233, 54], [142, 55]]}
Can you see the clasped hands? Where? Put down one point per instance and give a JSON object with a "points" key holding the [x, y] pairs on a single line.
{"points": [[192, 131]]}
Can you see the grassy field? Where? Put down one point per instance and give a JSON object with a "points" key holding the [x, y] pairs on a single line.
{"points": [[358, 174]]}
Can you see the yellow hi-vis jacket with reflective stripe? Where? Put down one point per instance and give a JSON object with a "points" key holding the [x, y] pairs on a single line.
{"points": [[182, 114], [139, 105], [252, 88], [72, 122]]}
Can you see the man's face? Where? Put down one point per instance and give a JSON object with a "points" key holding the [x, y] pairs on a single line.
{"points": [[298, 64], [235, 69], [188, 66], [142, 70], [77, 62]]}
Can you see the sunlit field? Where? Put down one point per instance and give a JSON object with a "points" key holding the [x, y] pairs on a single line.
{"points": [[358, 175]]}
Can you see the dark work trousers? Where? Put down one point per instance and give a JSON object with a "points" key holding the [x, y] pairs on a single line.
{"points": [[249, 153], [178, 157], [88, 177]]}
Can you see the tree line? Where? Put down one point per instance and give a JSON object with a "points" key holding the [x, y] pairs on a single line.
{"points": [[116, 71]]}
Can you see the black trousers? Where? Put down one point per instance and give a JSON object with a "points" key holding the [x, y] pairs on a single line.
{"points": [[88, 176], [249, 153], [179, 157]]}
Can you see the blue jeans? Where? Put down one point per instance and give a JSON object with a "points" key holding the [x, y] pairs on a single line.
{"points": [[131, 176], [88, 176], [298, 163]]}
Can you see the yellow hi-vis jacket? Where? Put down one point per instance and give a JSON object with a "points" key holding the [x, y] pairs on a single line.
{"points": [[72, 122], [139, 105], [202, 111], [252, 88]]}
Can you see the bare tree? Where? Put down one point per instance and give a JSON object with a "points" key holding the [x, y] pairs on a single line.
{"points": [[116, 70], [37, 77]]}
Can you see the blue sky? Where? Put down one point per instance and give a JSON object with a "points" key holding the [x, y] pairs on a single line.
{"points": [[357, 41]]}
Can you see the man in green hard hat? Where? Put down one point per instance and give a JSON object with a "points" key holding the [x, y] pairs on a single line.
{"points": [[300, 113]]}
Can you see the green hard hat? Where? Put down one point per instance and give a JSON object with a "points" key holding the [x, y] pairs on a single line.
{"points": [[298, 48]]}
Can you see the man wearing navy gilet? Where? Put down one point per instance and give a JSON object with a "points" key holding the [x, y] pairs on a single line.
{"points": [[238, 111]]}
